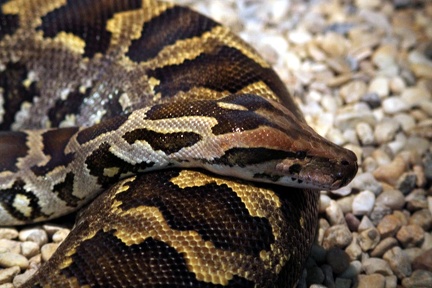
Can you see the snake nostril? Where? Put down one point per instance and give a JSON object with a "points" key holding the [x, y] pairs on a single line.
{"points": [[345, 162]]}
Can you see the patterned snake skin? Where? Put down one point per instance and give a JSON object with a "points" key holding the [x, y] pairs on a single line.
{"points": [[207, 172]]}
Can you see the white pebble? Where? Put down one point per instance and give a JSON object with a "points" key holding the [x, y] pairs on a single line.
{"points": [[363, 203], [29, 249], [380, 86], [60, 235], [10, 259], [35, 234], [20, 279], [9, 246], [365, 133], [299, 36], [365, 224], [6, 275], [334, 214], [397, 85], [8, 233], [406, 121], [48, 250], [324, 202], [385, 131], [415, 95], [393, 105]]}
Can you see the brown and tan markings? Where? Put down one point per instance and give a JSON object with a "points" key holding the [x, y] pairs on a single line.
{"points": [[203, 169]]}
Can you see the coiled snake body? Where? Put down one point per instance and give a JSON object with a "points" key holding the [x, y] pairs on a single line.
{"points": [[207, 172]]}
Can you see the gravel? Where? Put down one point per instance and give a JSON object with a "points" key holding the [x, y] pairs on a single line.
{"points": [[362, 71]]}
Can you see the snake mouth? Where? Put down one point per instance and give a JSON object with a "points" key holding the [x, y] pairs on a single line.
{"points": [[317, 172]]}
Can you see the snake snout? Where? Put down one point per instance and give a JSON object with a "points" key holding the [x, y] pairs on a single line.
{"points": [[345, 172]]}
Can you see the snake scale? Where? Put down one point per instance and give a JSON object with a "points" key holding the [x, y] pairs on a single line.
{"points": [[206, 171]]}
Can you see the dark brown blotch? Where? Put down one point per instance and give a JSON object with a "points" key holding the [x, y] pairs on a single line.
{"points": [[102, 158], [8, 23], [54, 144], [86, 19], [103, 127], [70, 106], [249, 156], [174, 24], [14, 92], [65, 189], [166, 142], [7, 201], [225, 69], [12, 147]]}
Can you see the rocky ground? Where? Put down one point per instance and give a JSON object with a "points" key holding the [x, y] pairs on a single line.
{"points": [[362, 74]]}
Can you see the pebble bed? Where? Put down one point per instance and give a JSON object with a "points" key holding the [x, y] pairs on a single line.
{"points": [[362, 74]]}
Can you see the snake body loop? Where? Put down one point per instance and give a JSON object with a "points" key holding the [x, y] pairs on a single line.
{"points": [[207, 173]]}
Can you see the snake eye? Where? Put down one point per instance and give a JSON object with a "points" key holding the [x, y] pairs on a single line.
{"points": [[301, 154], [295, 169]]}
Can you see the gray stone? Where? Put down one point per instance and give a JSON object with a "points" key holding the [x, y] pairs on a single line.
{"points": [[328, 276], [416, 200], [391, 281], [376, 265], [386, 130], [406, 182], [427, 242], [338, 259], [353, 270], [384, 246], [393, 199], [365, 224], [422, 218], [318, 253], [423, 261], [419, 278], [399, 262], [366, 181], [343, 283], [314, 276], [378, 213]]}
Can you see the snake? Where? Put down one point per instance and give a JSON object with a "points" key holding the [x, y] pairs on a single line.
{"points": [[183, 151]]}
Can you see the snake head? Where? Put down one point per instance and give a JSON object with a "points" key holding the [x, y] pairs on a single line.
{"points": [[319, 172], [277, 146]]}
